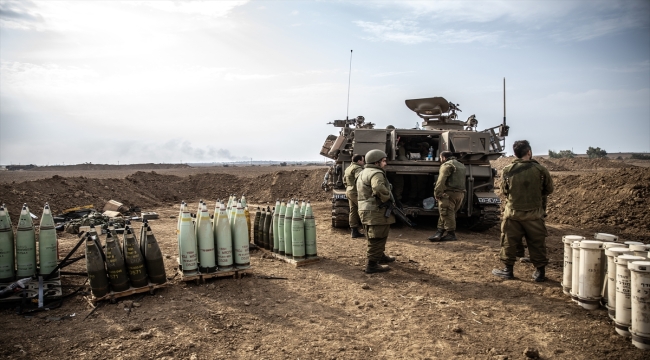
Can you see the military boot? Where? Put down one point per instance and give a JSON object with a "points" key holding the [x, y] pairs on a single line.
{"points": [[355, 233], [374, 267], [540, 274], [385, 259], [506, 273], [437, 235], [450, 236]]}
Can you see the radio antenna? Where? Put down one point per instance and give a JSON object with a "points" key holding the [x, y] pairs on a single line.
{"points": [[504, 102], [347, 111]]}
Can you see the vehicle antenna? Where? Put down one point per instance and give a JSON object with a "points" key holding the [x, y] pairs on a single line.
{"points": [[504, 102], [347, 111], [504, 113]]}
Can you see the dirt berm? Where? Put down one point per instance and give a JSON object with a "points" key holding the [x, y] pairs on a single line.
{"points": [[614, 199], [150, 189]]}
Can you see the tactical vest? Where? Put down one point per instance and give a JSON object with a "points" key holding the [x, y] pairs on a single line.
{"points": [[364, 189], [350, 177], [524, 181], [457, 178]]}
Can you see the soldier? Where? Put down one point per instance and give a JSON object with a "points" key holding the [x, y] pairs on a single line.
{"points": [[350, 181], [449, 192], [525, 184], [374, 190]]}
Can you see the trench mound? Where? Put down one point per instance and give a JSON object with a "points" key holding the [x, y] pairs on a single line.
{"points": [[575, 164], [615, 201], [500, 163], [150, 189], [79, 167]]}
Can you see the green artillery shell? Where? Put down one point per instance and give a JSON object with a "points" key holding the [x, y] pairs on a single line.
{"points": [[111, 229], [117, 275], [283, 209], [95, 237], [187, 245], [256, 227], [95, 267], [7, 263], [25, 246], [260, 228], [244, 204], [48, 254], [267, 225], [298, 234], [178, 234], [198, 222], [154, 259], [205, 239], [288, 215], [223, 237], [229, 208], [303, 205], [240, 240], [276, 219], [233, 212], [271, 235], [143, 236], [310, 232], [135, 264]]}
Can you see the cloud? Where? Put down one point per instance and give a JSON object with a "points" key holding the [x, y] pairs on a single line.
{"points": [[19, 14], [172, 150], [203, 8], [643, 66], [391, 73], [563, 21], [409, 32], [231, 76], [295, 13], [487, 11]]}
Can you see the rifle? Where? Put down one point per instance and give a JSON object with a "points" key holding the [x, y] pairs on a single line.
{"points": [[392, 208]]}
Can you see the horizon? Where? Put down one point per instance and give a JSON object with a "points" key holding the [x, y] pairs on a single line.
{"points": [[277, 162]]}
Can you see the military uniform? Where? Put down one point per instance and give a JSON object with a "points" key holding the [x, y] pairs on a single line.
{"points": [[350, 181], [373, 190], [525, 184], [450, 191]]}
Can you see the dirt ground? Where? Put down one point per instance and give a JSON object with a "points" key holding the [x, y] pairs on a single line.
{"points": [[438, 301]]}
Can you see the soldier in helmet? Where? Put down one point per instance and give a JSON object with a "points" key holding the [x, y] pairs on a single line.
{"points": [[350, 181], [374, 190], [449, 192], [525, 184]]}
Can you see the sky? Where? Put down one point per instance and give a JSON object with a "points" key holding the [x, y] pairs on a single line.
{"points": [[112, 82]]}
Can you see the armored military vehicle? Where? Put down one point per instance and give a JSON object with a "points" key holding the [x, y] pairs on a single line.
{"points": [[413, 161]]}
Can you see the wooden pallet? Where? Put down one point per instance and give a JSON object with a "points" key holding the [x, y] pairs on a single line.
{"points": [[296, 263], [112, 296], [200, 278]]}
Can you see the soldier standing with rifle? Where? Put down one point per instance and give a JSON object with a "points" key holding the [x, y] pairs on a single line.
{"points": [[374, 192], [449, 192], [350, 182], [525, 184]]}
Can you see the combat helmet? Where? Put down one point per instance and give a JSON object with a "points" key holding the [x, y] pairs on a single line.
{"points": [[375, 155]]}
